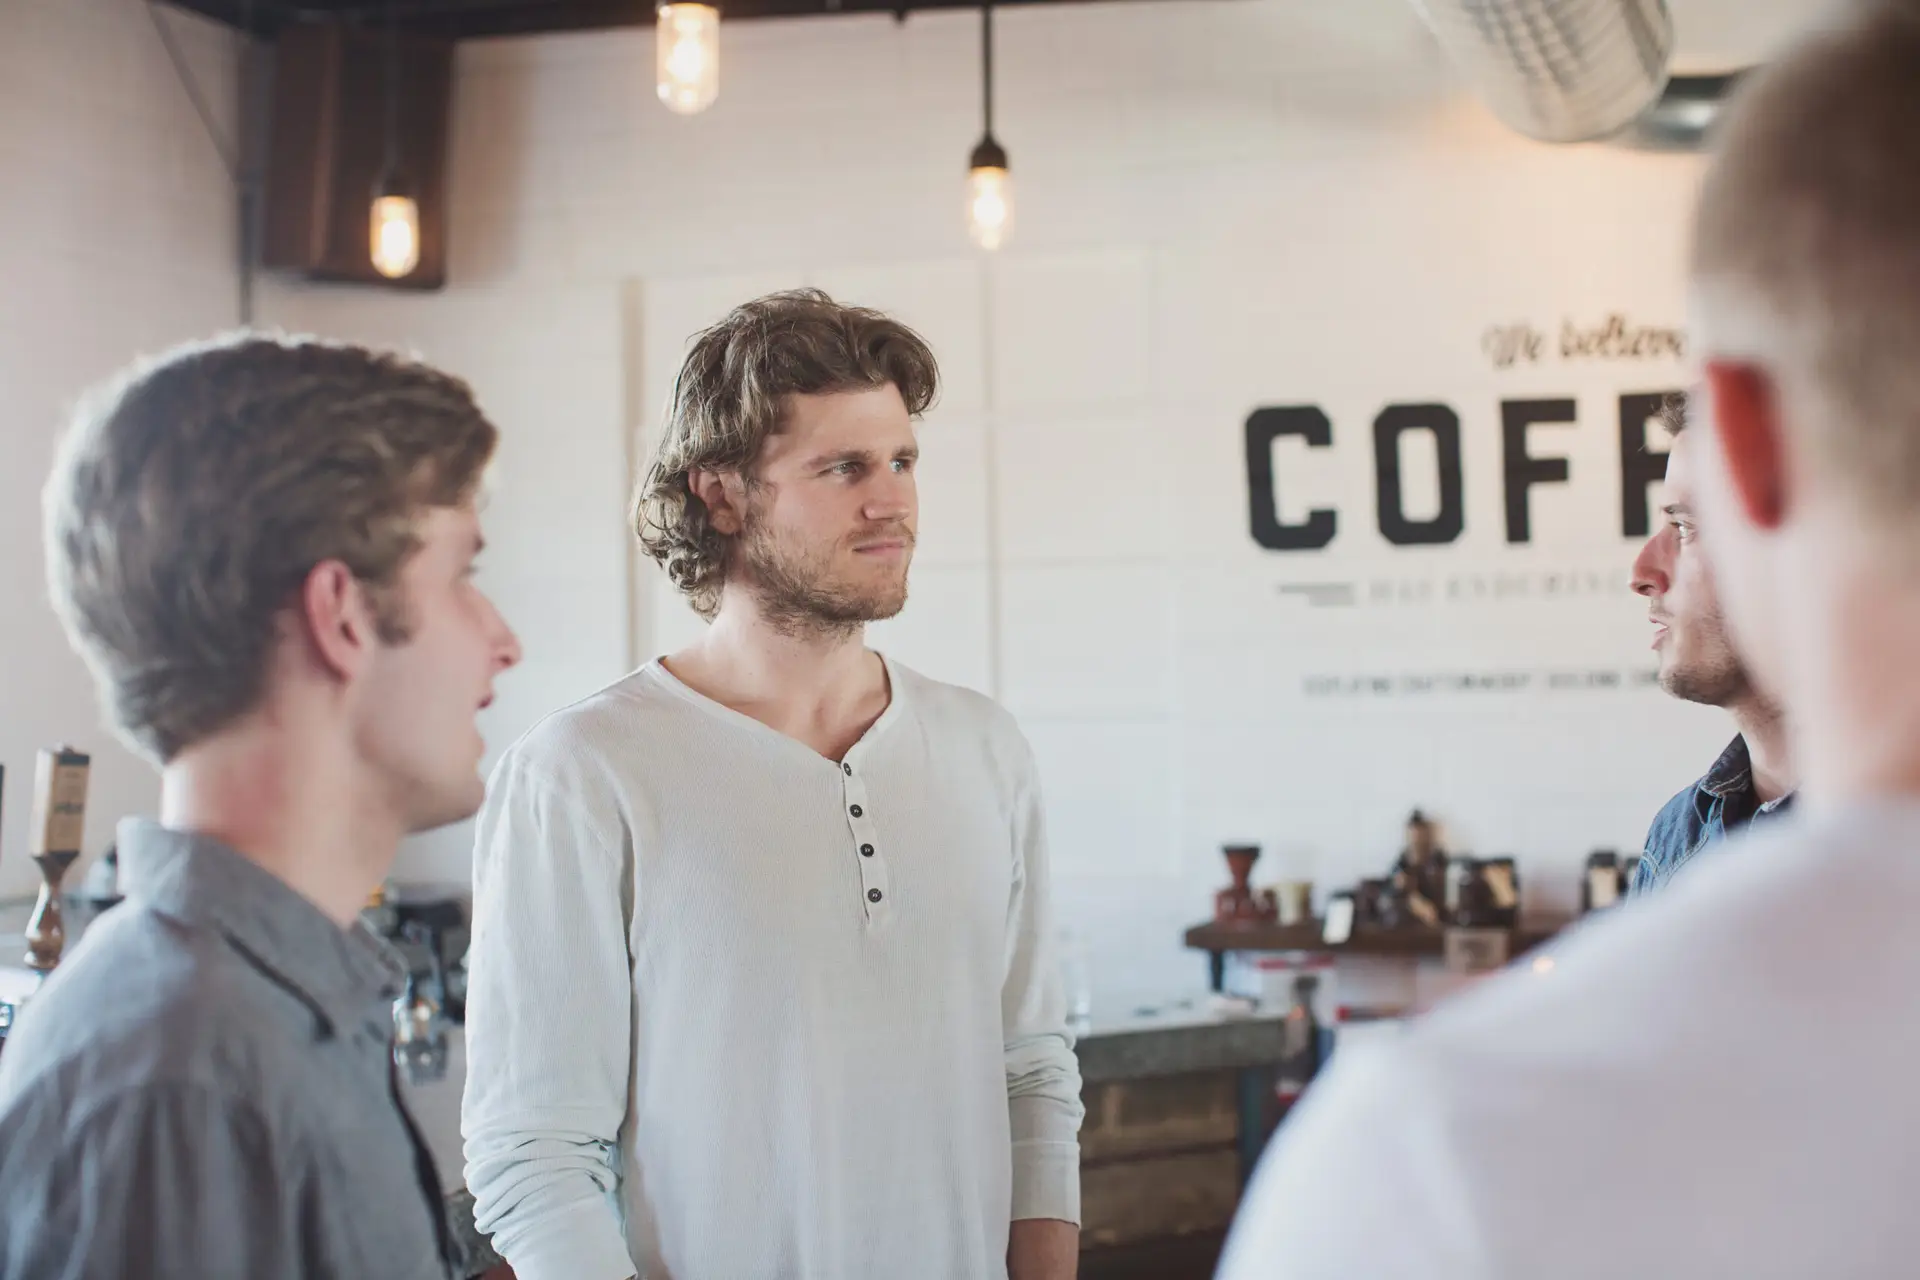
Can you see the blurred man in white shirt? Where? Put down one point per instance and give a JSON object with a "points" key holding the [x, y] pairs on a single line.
{"points": [[1718, 1082]]}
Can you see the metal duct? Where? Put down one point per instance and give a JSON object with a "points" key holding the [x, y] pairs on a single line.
{"points": [[1558, 70], [1682, 117]]}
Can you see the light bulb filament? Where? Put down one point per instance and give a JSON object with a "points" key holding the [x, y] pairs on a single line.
{"points": [[395, 236], [687, 58], [989, 206]]}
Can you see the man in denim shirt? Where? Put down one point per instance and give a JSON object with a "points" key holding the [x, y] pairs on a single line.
{"points": [[1753, 778]]}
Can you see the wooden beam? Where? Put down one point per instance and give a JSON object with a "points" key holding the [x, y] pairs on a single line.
{"points": [[475, 19]]}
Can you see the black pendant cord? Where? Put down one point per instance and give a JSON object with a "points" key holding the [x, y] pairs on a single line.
{"points": [[986, 62], [228, 153], [987, 154], [252, 166], [239, 157], [393, 94]]}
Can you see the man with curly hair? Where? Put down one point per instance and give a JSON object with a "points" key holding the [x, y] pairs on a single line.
{"points": [[761, 980]]}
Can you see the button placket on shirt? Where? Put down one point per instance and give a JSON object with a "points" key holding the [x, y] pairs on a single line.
{"points": [[876, 896]]}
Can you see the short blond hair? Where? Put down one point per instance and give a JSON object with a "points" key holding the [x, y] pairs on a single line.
{"points": [[1806, 245], [194, 493], [732, 394]]}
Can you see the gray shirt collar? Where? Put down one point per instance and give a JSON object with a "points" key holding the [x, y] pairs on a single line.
{"points": [[197, 880]]}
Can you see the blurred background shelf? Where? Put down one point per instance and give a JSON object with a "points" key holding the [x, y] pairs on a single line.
{"points": [[1408, 943]]}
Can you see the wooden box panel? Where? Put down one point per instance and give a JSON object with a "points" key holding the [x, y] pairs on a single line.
{"points": [[1159, 1114], [1158, 1196], [328, 147]]}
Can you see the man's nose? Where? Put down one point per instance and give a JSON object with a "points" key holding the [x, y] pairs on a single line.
{"points": [[1650, 576]]}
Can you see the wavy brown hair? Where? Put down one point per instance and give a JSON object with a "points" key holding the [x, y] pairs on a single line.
{"points": [[732, 394], [194, 493]]}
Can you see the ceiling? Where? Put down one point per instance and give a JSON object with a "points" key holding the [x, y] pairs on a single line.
{"points": [[463, 19], [1712, 35]]}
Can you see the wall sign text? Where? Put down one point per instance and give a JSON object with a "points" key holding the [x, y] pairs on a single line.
{"points": [[1615, 338], [1640, 466]]}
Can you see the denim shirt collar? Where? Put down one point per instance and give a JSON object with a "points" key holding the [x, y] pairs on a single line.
{"points": [[1731, 774]]}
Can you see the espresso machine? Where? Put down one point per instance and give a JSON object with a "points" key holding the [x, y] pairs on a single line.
{"points": [[428, 924]]}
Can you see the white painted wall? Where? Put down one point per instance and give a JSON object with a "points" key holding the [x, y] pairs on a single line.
{"points": [[1222, 204], [117, 235]]}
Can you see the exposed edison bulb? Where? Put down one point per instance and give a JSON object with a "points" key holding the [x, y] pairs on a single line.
{"points": [[989, 206], [395, 236], [687, 57]]}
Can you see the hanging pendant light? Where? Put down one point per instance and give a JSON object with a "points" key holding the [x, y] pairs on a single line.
{"points": [[989, 187], [393, 232], [686, 56]]}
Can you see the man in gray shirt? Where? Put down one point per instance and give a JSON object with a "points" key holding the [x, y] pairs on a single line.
{"points": [[264, 550]]}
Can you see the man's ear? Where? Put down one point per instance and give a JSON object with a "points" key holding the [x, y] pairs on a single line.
{"points": [[1746, 425], [724, 495], [337, 618]]}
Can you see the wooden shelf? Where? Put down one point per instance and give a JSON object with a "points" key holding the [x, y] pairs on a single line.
{"points": [[1409, 942], [1185, 1257]]}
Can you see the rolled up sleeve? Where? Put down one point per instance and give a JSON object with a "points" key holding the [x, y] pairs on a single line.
{"points": [[549, 1019], [1043, 1075]]}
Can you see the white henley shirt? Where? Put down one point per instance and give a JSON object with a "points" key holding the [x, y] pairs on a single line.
{"points": [[739, 1011]]}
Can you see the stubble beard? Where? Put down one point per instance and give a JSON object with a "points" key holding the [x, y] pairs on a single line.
{"points": [[1715, 677], [798, 592]]}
